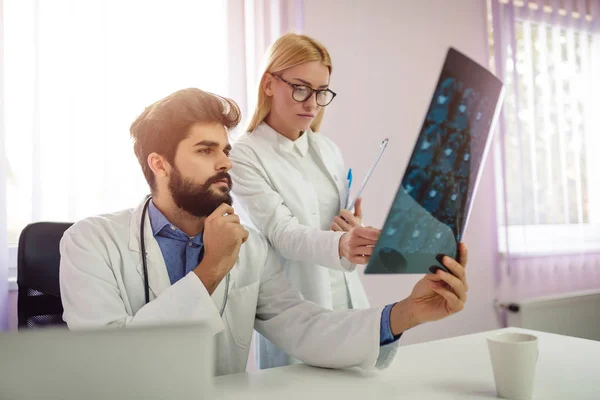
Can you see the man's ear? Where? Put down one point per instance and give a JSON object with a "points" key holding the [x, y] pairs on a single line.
{"points": [[159, 165]]}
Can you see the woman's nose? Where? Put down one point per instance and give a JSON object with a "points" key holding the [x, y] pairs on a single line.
{"points": [[311, 102]]}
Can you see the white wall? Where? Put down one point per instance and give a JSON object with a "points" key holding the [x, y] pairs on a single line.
{"points": [[386, 59], [12, 310]]}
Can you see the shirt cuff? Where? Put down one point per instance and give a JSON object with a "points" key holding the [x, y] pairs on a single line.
{"points": [[385, 332]]}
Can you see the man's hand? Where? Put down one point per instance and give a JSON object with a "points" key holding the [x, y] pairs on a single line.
{"points": [[347, 220], [357, 245], [223, 236], [434, 297]]}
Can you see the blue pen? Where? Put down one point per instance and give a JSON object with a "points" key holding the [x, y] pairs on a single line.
{"points": [[349, 178]]}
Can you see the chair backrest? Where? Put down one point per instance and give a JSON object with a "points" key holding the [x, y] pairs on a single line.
{"points": [[39, 303]]}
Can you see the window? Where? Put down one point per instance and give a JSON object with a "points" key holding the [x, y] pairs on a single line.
{"points": [[550, 200], [77, 73]]}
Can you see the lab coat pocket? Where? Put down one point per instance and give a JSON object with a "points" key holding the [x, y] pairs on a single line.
{"points": [[240, 312]]}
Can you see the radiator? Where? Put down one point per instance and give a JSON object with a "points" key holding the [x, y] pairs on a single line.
{"points": [[573, 314]]}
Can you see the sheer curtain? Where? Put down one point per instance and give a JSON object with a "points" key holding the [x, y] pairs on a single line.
{"points": [[3, 197], [77, 73], [253, 26], [548, 55], [261, 22]]}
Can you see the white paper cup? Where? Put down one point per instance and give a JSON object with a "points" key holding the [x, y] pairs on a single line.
{"points": [[514, 357]]}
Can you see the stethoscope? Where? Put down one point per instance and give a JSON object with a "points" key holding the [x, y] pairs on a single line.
{"points": [[145, 265]]}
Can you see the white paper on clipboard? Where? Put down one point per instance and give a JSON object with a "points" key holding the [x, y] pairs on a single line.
{"points": [[382, 147]]}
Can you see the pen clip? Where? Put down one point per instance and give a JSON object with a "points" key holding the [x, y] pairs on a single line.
{"points": [[349, 179]]}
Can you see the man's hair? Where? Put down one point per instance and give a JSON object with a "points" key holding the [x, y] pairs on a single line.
{"points": [[164, 124]]}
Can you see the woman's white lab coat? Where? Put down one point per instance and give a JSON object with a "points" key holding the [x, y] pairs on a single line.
{"points": [[102, 285], [271, 194]]}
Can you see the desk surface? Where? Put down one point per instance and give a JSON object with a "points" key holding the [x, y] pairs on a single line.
{"points": [[455, 368]]}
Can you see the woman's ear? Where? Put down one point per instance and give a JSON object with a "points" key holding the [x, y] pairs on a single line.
{"points": [[267, 84]]}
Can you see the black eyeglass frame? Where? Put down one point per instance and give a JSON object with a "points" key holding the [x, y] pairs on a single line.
{"points": [[317, 91]]}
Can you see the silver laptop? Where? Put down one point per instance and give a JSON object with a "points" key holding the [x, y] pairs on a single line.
{"points": [[151, 363]]}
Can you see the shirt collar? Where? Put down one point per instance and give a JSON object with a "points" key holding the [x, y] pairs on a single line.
{"points": [[157, 219], [161, 226], [300, 145]]}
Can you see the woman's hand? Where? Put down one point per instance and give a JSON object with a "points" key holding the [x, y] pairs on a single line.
{"points": [[348, 220]]}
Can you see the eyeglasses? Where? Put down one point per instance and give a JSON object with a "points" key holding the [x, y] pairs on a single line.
{"points": [[301, 93]]}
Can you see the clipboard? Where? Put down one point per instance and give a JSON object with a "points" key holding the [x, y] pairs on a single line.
{"points": [[382, 148]]}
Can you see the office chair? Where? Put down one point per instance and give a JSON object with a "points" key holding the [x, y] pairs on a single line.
{"points": [[39, 303]]}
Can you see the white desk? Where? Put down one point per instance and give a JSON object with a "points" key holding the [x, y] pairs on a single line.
{"points": [[456, 368]]}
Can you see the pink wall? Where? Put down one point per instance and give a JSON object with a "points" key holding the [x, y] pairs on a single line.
{"points": [[387, 56]]}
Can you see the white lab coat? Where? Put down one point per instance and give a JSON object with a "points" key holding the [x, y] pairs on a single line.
{"points": [[101, 283], [271, 194]]}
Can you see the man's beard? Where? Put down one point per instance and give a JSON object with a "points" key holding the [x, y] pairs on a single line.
{"points": [[200, 201]]}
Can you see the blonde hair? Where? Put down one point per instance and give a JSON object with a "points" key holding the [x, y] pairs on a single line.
{"points": [[286, 52]]}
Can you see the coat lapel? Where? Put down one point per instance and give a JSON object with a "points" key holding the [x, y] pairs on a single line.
{"points": [[331, 167], [158, 276]]}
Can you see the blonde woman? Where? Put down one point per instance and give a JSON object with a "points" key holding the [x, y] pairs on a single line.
{"points": [[290, 183]]}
